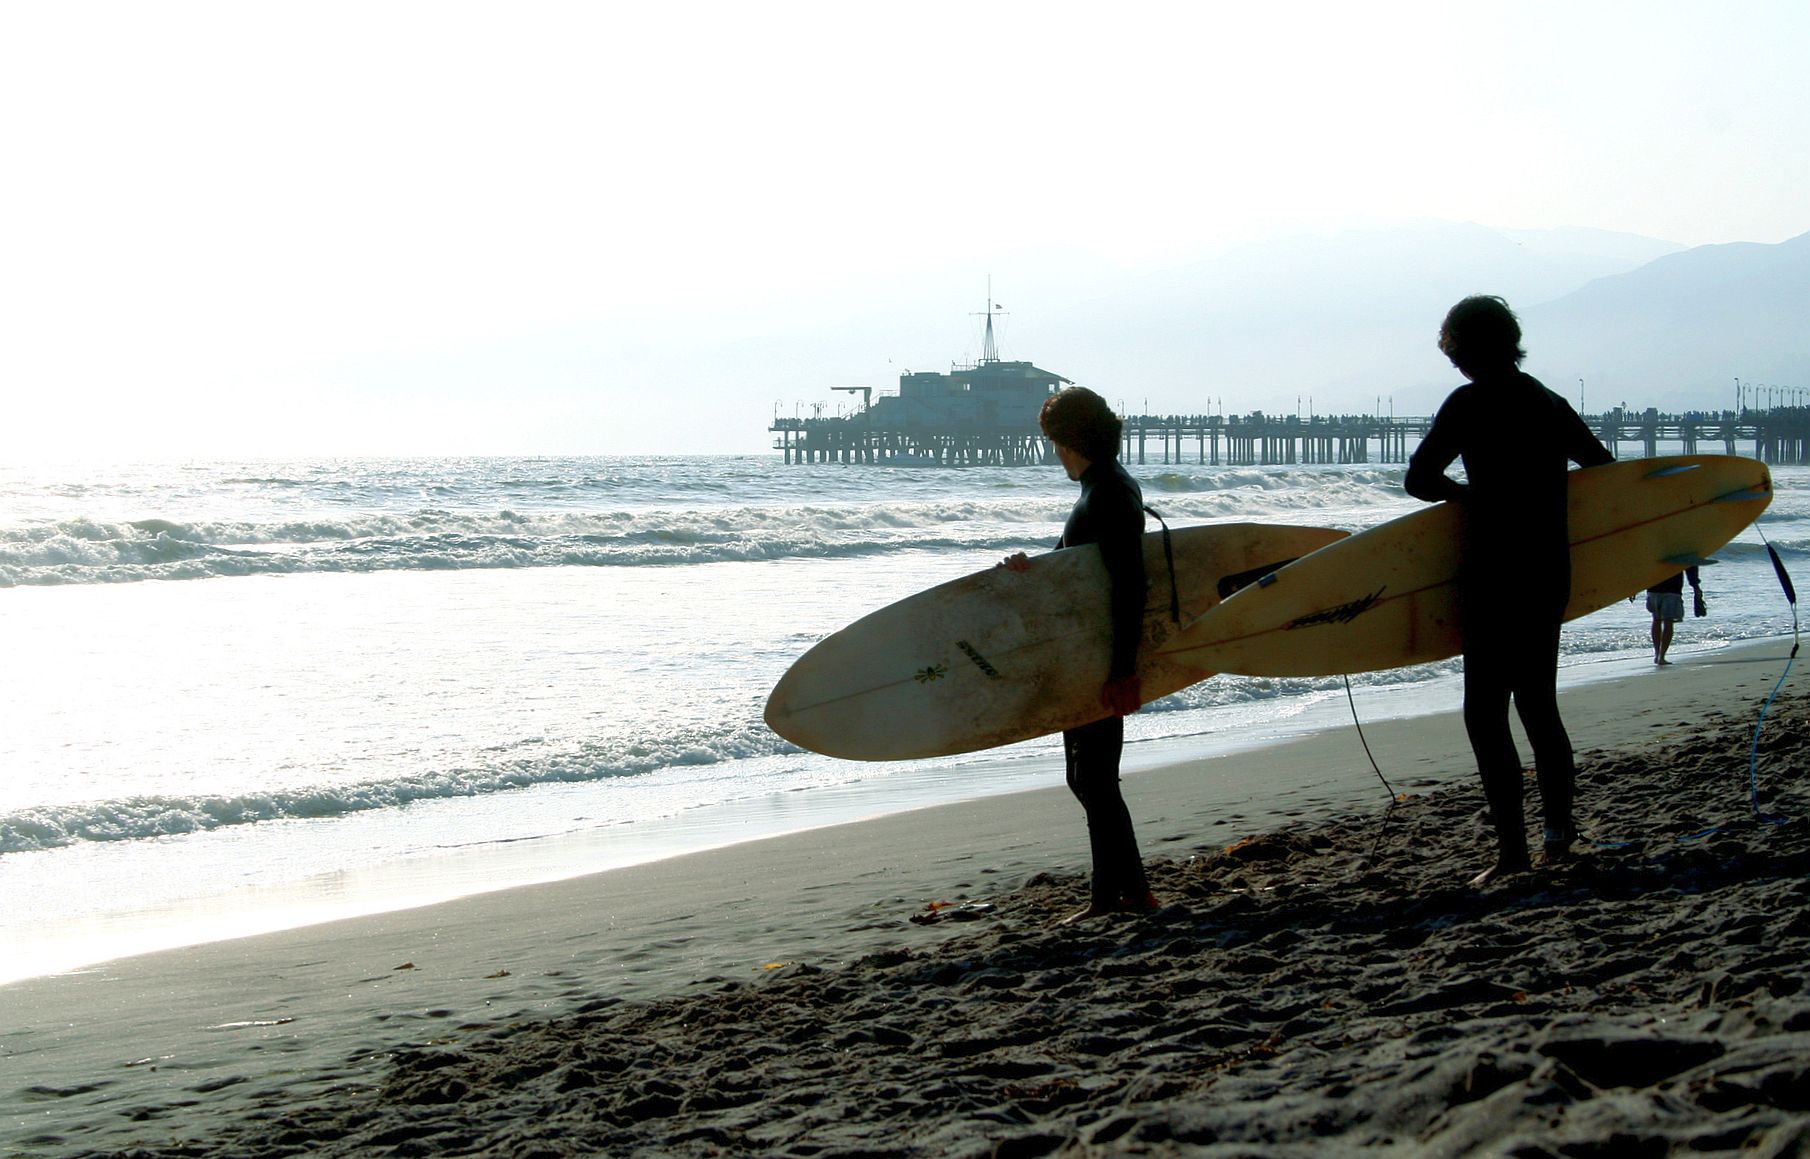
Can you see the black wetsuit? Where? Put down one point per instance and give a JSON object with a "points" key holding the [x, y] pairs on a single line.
{"points": [[1110, 513], [1517, 439]]}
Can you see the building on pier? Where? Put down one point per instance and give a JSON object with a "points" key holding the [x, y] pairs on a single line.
{"points": [[985, 413]]}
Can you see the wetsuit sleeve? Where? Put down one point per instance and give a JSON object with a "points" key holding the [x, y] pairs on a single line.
{"points": [[1426, 478], [1122, 551]]}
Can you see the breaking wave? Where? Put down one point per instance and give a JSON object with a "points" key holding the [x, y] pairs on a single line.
{"points": [[85, 549]]}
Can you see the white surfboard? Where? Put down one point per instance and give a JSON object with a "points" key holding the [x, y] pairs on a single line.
{"points": [[1002, 656], [1388, 597]]}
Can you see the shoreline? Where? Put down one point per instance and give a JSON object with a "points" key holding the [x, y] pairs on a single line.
{"points": [[206, 1042], [449, 874]]}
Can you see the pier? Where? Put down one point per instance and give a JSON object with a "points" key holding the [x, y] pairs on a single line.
{"points": [[1779, 436], [985, 414]]}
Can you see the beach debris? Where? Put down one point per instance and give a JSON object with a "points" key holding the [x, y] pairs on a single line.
{"points": [[404, 966], [788, 969], [498, 974], [965, 911], [252, 1022]]}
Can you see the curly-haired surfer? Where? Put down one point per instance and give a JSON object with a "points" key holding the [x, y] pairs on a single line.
{"points": [[1110, 513]]}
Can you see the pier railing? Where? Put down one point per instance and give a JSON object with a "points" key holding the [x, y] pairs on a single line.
{"points": [[1778, 435]]}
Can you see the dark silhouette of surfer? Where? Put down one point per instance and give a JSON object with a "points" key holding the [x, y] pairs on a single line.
{"points": [[1517, 439], [1110, 513], [1665, 600]]}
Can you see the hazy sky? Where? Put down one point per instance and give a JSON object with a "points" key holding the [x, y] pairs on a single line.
{"points": [[262, 228]]}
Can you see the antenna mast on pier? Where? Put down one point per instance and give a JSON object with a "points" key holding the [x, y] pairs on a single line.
{"points": [[989, 351]]}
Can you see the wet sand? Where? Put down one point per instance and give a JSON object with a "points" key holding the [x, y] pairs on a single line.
{"points": [[1320, 980]]}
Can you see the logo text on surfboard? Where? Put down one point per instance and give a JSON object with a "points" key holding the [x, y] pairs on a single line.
{"points": [[980, 661], [1343, 614]]}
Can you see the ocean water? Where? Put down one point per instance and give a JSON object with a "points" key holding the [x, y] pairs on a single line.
{"points": [[241, 696]]}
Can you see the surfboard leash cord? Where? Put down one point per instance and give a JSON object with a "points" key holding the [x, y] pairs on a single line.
{"points": [[1175, 598], [1352, 701], [1753, 748], [1753, 751], [1382, 828]]}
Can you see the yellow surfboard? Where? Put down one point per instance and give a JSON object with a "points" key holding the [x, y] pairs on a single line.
{"points": [[1002, 656], [1387, 597]]}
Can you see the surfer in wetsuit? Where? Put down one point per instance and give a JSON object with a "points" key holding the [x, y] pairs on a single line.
{"points": [[1110, 512], [1516, 438]]}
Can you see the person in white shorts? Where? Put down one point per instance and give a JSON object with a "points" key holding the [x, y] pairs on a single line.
{"points": [[1666, 601]]}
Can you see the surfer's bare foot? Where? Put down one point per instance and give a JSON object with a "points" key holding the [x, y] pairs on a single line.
{"points": [[1499, 871], [1554, 855], [1088, 913], [1125, 905], [1140, 905]]}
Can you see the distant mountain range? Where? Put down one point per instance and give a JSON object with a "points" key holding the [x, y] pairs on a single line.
{"points": [[1349, 320], [1685, 326]]}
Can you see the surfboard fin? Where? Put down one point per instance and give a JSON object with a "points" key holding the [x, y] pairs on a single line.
{"points": [[1262, 576], [1687, 559], [1673, 469], [1743, 496]]}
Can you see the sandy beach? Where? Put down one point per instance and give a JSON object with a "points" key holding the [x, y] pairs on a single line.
{"points": [[1319, 975]]}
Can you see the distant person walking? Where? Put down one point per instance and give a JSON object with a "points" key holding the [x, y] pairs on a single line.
{"points": [[1110, 512], [1516, 439], [1665, 600]]}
